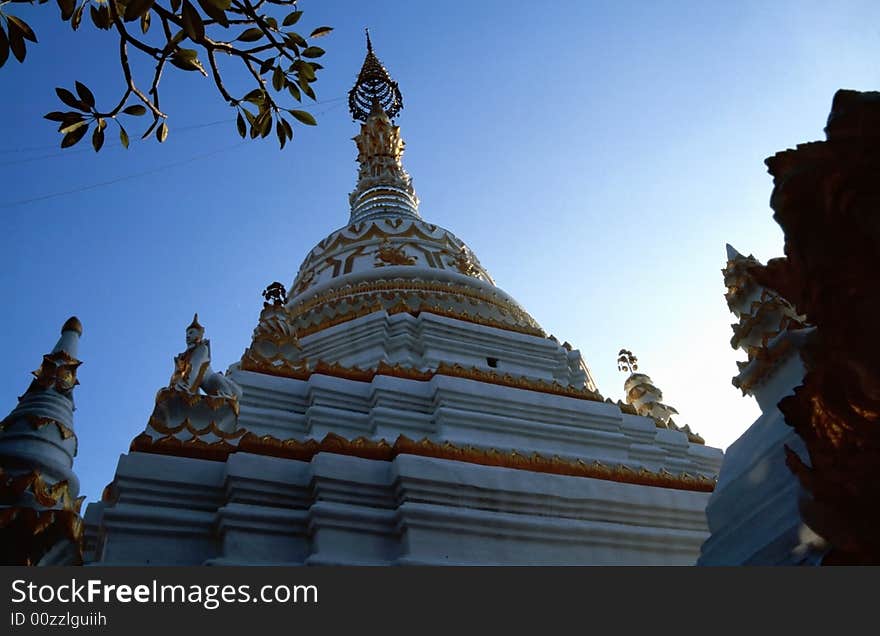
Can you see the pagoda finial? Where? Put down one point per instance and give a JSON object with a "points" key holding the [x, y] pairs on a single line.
{"points": [[627, 362], [374, 87]]}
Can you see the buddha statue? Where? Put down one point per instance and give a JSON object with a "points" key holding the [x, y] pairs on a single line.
{"points": [[192, 368]]}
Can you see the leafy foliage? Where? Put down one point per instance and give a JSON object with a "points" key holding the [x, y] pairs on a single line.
{"points": [[189, 35]]}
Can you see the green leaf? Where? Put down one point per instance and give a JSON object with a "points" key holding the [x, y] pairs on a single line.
{"points": [[313, 51], [305, 70], [135, 109], [187, 60], [281, 133], [162, 132], [70, 99], [304, 117], [98, 138], [278, 79], [266, 65], [292, 18], [69, 128], [123, 137], [304, 85], [73, 136], [4, 47], [76, 20], [137, 9], [287, 128], [145, 22], [262, 124], [242, 127], [251, 35], [16, 43], [321, 32], [22, 26], [69, 118], [222, 5], [85, 94], [256, 96], [272, 23], [101, 16], [215, 12], [55, 116], [294, 91], [192, 22], [297, 39], [67, 8]]}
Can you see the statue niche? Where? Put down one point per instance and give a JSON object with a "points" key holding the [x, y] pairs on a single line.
{"points": [[197, 400]]}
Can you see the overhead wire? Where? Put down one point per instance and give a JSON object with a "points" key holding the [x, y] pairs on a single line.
{"points": [[5, 151], [143, 173]]}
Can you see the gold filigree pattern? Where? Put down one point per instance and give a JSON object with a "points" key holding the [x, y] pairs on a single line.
{"points": [[463, 262], [59, 370], [12, 488], [396, 370], [419, 288], [213, 402], [161, 427], [381, 450], [37, 422], [387, 254]]}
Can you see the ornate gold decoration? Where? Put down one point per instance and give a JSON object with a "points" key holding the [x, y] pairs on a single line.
{"points": [[346, 292], [12, 488], [453, 370], [381, 450], [761, 364], [464, 263], [160, 427], [37, 422], [387, 254], [372, 229], [374, 88], [57, 370]]}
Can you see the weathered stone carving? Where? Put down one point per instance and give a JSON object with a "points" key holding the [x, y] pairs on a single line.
{"points": [[827, 200]]}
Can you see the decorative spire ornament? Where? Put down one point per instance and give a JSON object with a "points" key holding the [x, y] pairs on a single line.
{"points": [[374, 89], [645, 398], [39, 491], [384, 188]]}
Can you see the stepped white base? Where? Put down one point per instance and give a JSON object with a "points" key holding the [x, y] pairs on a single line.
{"points": [[753, 513], [339, 509]]}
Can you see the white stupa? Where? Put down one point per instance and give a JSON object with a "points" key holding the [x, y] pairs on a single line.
{"points": [[397, 407]]}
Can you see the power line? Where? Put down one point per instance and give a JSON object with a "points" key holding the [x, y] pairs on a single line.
{"points": [[145, 172], [100, 184], [5, 151]]}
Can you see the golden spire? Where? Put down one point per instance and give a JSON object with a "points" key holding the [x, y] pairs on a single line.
{"points": [[373, 89]]}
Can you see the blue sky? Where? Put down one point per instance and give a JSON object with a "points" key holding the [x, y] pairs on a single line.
{"points": [[596, 156]]}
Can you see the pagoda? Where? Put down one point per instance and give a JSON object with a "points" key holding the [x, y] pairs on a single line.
{"points": [[396, 407]]}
